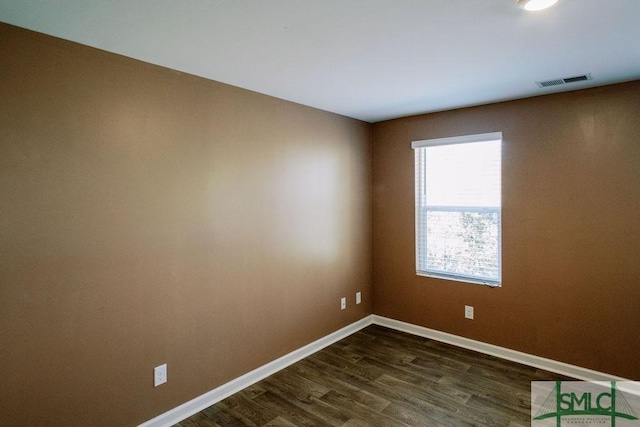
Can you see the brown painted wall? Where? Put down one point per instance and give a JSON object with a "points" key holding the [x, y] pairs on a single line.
{"points": [[149, 216], [571, 229]]}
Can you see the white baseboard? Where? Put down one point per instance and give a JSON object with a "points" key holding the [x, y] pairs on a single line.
{"points": [[504, 353], [196, 405]]}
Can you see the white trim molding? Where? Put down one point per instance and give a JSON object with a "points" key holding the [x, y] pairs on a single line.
{"points": [[482, 137], [214, 396], [196, 405], [562, 368]]}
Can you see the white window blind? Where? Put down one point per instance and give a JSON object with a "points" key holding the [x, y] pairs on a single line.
{"points": [[458, 208]]}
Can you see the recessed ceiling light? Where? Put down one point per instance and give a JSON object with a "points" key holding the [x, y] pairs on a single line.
{"points": [[535, 4]]}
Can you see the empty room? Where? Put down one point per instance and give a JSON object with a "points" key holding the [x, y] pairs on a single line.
{"points": [[319, 213]]}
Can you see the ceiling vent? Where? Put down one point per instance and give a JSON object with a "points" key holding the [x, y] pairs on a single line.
{"points": [[564, 80]]}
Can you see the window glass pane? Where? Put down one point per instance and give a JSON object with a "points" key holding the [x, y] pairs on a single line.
{"points": [[463, 243], [458, 210], [463, 174]]}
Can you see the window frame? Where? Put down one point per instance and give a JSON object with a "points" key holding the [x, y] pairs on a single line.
{"points": [[421, 206]]}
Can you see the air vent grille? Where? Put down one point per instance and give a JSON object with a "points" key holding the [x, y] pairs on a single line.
{"points": [[551, 83], [576, 79], [564, 80]]}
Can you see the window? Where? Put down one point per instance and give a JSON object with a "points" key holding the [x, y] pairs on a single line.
{"points": [[458, 208]]}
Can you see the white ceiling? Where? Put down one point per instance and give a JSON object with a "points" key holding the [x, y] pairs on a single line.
{"points": [[368, 59]]}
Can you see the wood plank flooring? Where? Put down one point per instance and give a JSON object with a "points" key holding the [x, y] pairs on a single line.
{"points": [[382, 377]]}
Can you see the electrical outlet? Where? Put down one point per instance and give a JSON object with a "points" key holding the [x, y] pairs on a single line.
{"points": [[358, 297], [468, 312], [343, 303], [159, 375]]}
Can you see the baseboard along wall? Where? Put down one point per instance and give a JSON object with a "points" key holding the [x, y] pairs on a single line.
{"points": [[194, 406]]}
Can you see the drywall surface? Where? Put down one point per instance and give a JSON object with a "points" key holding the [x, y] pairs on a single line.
{"points": [[570, 229], [150, 217]]}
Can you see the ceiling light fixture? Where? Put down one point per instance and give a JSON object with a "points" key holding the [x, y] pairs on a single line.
{"points": [[532, 5]]}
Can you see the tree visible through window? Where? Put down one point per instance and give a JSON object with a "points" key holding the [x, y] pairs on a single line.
{"points": [[458, 208]]}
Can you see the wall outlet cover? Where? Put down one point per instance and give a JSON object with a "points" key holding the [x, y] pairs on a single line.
{"points": [[468, 312], [159, 375]]}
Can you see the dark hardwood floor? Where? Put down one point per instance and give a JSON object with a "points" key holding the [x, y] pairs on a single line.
{"points": [[382, 377]]}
